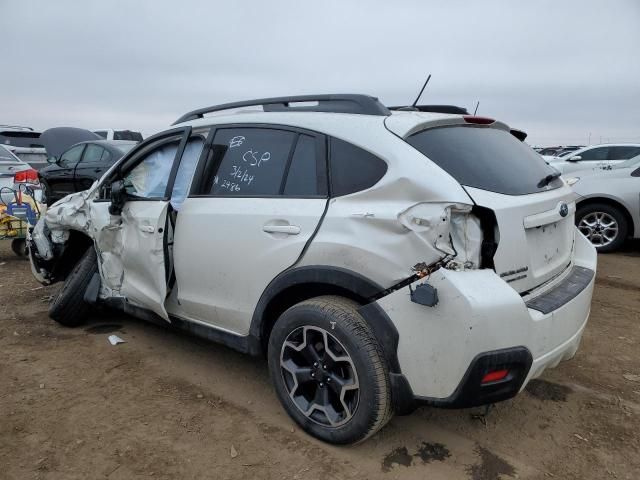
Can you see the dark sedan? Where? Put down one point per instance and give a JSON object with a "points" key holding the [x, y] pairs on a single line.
{"points": [[78, 167]]}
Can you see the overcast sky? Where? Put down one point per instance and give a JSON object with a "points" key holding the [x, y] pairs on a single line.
{"points": [[560, 70]]}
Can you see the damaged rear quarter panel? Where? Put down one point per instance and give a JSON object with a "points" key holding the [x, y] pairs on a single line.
{"points": [[382, 232]]}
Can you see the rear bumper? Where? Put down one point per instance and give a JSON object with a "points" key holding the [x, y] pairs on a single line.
{"points": [[481, 324]]}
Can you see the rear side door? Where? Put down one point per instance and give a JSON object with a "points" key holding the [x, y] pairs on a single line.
{"points": [[260, 195], [90, 167], [621, 153]]}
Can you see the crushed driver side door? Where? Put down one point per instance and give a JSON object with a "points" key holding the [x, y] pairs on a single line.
{"points": [[133, 248]]}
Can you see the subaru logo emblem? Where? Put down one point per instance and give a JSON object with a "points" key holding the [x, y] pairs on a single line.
{"points": [[564, 210]]}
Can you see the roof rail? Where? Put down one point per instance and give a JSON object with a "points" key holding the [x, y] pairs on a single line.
{"points": [[17, 126], [336, 103], [434, 109]]}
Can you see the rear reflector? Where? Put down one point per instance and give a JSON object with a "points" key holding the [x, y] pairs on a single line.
{"points": [[495, 376], [478, 120]]}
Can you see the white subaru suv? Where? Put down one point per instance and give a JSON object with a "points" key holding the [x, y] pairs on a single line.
{"points": [[379, 259]]}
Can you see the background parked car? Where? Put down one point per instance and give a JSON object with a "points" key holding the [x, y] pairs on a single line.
{"points": [[595, 156], [24, 143], [608, 211], [568, 149], [549, 151], [19, 136], [111, 134], [35, 157], [79, 166], [9, 166]]}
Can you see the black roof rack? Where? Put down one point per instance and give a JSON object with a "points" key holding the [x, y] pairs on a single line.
{"points": [[434, 109], [337, 103]]}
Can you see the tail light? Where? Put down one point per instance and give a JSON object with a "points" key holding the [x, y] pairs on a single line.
{"points": [[26, 176]]}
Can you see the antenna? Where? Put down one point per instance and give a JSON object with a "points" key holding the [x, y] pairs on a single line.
{"points": [[476, 110], [413, 105]]}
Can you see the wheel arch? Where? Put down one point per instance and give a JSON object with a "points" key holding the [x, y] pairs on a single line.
{"points": [[74, 249], [612, 202], [302, 283]]}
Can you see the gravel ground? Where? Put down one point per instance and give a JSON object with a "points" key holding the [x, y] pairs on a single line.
{"points": [[165, 405]]}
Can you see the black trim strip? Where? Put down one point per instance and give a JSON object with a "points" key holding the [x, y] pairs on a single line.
{"points": [[567, 290]]}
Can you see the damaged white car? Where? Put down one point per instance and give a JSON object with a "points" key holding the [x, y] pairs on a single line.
{"points": [[380, 259]]}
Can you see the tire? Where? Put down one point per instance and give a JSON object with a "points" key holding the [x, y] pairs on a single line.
{"points": [[44, 187], [605, 226], [19, 247], [357, 394], [68, 308]]}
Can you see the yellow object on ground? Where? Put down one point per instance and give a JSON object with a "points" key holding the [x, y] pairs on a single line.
{"points": [[13, 227]]}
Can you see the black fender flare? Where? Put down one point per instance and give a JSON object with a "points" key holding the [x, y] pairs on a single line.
{"points": [[359, 288]]}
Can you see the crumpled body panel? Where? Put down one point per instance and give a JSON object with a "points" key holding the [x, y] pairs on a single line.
{"points": [[78, 212]]}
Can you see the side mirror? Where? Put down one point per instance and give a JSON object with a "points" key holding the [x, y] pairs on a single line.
{"points": [[52, 159], [577, 158], [118, 197]]}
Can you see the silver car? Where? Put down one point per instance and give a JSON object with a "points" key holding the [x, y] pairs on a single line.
{"points": [[608, 203], [594, 157]]}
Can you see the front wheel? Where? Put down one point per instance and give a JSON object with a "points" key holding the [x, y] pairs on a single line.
{"points": [[68, 307], [19, 247], [604, 226], [328, 370]]}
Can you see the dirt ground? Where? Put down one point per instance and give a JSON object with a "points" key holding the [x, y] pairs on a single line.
{"points": [[164, 405]]}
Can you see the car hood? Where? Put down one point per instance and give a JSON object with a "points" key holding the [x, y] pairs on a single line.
{"points": [[57, 140]]}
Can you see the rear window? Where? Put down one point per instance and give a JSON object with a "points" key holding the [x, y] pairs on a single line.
{"points": [[485, 158], [20, 139], [7, 156]]}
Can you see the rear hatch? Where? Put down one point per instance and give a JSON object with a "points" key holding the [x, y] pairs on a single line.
{"points": [[533, 208]]}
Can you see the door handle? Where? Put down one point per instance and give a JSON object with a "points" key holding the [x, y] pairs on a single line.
{"points": [[147, 228], [287, 229]]}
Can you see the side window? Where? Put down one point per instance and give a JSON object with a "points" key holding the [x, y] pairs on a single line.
{"points": [[102, 133], [622, 153], [353, 169], [149, 178], [187, 167], [252, 161], [92, 153], [72, 156], [307, 174], [599, 153]]}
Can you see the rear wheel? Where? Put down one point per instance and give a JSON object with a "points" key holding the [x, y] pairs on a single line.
{"points": [[328, 370], [604, 226], [68, 307]]}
